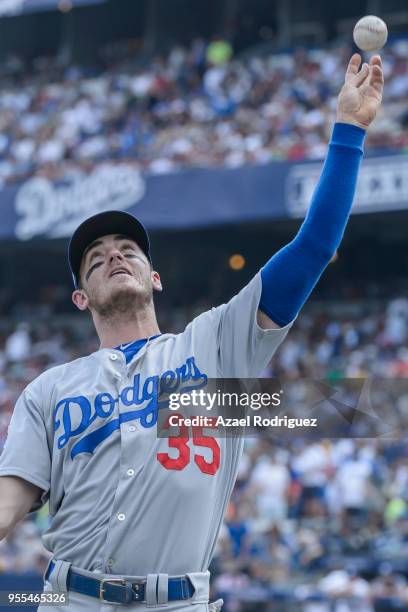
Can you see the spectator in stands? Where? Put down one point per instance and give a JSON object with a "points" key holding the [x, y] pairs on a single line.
{"points": [[200, 106]]}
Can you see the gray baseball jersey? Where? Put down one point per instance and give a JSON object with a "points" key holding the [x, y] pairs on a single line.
{"points": [[122, 500]]}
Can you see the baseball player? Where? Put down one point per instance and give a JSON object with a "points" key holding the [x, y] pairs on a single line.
{"points": [[135, 517]]}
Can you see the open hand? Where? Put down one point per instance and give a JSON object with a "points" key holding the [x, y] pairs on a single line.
{"points": [[360, 97]]}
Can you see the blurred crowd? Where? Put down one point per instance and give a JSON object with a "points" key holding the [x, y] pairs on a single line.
{"points": [[198, 106], [316, 523], [313, 521], [365, 342]]}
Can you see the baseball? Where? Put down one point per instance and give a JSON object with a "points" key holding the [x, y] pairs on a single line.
{"points": [[370, 33]]}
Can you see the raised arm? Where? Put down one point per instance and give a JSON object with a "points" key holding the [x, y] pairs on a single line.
{"points": [[290, 275], [17, 497]]}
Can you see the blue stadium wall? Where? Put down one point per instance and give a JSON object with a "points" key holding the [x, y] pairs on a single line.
{"points": [[191, 199]]}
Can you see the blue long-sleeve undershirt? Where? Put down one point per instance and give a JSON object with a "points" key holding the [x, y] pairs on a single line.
{"points": [[289, 276]]}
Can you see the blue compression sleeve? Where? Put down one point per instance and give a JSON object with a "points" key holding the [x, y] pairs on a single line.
{"points": [[290, 275]]}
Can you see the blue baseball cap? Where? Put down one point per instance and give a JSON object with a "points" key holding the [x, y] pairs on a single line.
{"points": [[102, 224]]}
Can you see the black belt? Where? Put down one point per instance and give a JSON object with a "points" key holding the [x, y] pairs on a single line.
{"points": [[120, 590]]}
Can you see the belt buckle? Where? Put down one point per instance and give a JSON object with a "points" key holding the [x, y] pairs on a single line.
{"points": [[136, 586], [102, 588]]}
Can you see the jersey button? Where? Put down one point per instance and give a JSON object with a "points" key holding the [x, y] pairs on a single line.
{"points": [[121, 516], [110, 562], [130, 472], [132, 428], [113, 357]]}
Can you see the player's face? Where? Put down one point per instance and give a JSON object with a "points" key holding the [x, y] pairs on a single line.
{"points": [[116, 275]]}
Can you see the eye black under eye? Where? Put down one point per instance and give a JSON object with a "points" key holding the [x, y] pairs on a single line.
{"points": [[92, 268]]}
